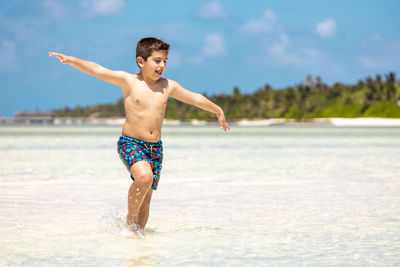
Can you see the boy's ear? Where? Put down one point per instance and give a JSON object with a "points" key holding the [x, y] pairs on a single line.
{"points": [[140, 61]]}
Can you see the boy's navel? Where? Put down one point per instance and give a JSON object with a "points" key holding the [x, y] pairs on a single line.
{"points": [[137, 100]]}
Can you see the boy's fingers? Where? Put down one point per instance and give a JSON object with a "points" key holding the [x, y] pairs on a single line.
{"points": [[52, 54], [224, 126], [59, 56]]}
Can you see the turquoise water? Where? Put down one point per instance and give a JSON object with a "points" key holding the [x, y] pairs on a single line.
{"points": [[274, 196]]}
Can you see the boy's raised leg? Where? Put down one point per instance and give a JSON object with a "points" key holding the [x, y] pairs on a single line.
{"points": [[138, 190]]}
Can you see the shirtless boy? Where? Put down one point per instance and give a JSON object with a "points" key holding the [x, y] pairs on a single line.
{"points": [[145, 98]]}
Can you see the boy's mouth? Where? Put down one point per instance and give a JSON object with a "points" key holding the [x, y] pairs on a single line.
{"points": [[159, 72]]}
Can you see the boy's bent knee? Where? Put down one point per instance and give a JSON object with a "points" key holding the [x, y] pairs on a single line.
{"points": [[143, 179], [142, 174]]}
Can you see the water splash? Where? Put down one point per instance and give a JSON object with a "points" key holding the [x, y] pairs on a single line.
{"points": [[132, 231], [113, 222]]}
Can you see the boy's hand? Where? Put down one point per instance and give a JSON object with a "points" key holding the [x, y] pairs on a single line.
{"points": [[222, 122], [63, 58]]}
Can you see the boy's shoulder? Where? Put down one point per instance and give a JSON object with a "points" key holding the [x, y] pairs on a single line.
{"points": [[129, 75], [171, 83]]}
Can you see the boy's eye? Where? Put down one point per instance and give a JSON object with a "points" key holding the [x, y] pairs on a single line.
{"points": [[158, 61]]}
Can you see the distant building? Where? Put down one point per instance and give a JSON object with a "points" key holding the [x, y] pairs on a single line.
{"points": [[35, 117], [309, 81]]}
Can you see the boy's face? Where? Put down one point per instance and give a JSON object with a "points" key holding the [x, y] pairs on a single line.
{"points": [[155, 64]]}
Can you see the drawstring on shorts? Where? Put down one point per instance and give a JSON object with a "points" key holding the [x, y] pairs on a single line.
{"points": [[151, 149]]}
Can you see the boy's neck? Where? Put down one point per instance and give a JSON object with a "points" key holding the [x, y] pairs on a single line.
{"points": [[146, 79]]}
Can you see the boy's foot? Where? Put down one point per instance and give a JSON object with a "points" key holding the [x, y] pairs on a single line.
{"points": [[133, 230]]}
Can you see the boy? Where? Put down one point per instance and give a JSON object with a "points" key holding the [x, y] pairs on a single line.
{"points": [[145, 98]]}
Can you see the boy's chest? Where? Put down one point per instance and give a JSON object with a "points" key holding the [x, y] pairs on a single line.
{"points": [[142, 97]]}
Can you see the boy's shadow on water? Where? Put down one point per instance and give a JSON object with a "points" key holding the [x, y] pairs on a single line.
{"points": [[146, 257], [140, 261]]}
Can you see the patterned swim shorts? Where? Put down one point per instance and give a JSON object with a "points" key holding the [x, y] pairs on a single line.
{"points": [[132, 150]]}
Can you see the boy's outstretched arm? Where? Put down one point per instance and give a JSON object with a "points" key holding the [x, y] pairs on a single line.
{"points": [[198, 100], [92, 68]]}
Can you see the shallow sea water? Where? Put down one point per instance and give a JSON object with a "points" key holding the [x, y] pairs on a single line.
{"points": [[261, 196]]}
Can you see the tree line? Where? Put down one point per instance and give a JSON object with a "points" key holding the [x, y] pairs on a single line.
{"points": [[371, 97]]}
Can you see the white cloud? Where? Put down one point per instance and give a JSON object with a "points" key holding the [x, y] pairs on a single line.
{"points": [[278, 49], [281, 50], [368, 62], [8, 57], [376, 37], [269, 15], [326, 28], [195, 59], [211, 10], [214, 45], [102, 7], [302, 57], [265, 24]]}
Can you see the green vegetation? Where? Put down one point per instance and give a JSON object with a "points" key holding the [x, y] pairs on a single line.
{"points": [[311, 99]]}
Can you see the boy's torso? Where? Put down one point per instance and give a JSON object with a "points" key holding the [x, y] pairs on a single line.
{"points": [[144, 108]]}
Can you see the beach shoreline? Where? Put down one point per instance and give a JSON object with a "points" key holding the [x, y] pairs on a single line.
{"points": [[337, 121]]}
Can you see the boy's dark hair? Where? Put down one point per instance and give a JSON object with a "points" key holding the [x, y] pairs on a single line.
{"points": [[148, 45]]}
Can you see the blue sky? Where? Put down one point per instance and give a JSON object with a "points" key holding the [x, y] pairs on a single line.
{"points": [[215, 45]]}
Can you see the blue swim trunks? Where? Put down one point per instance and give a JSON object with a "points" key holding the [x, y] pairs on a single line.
{"points": [[132, 150]]}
